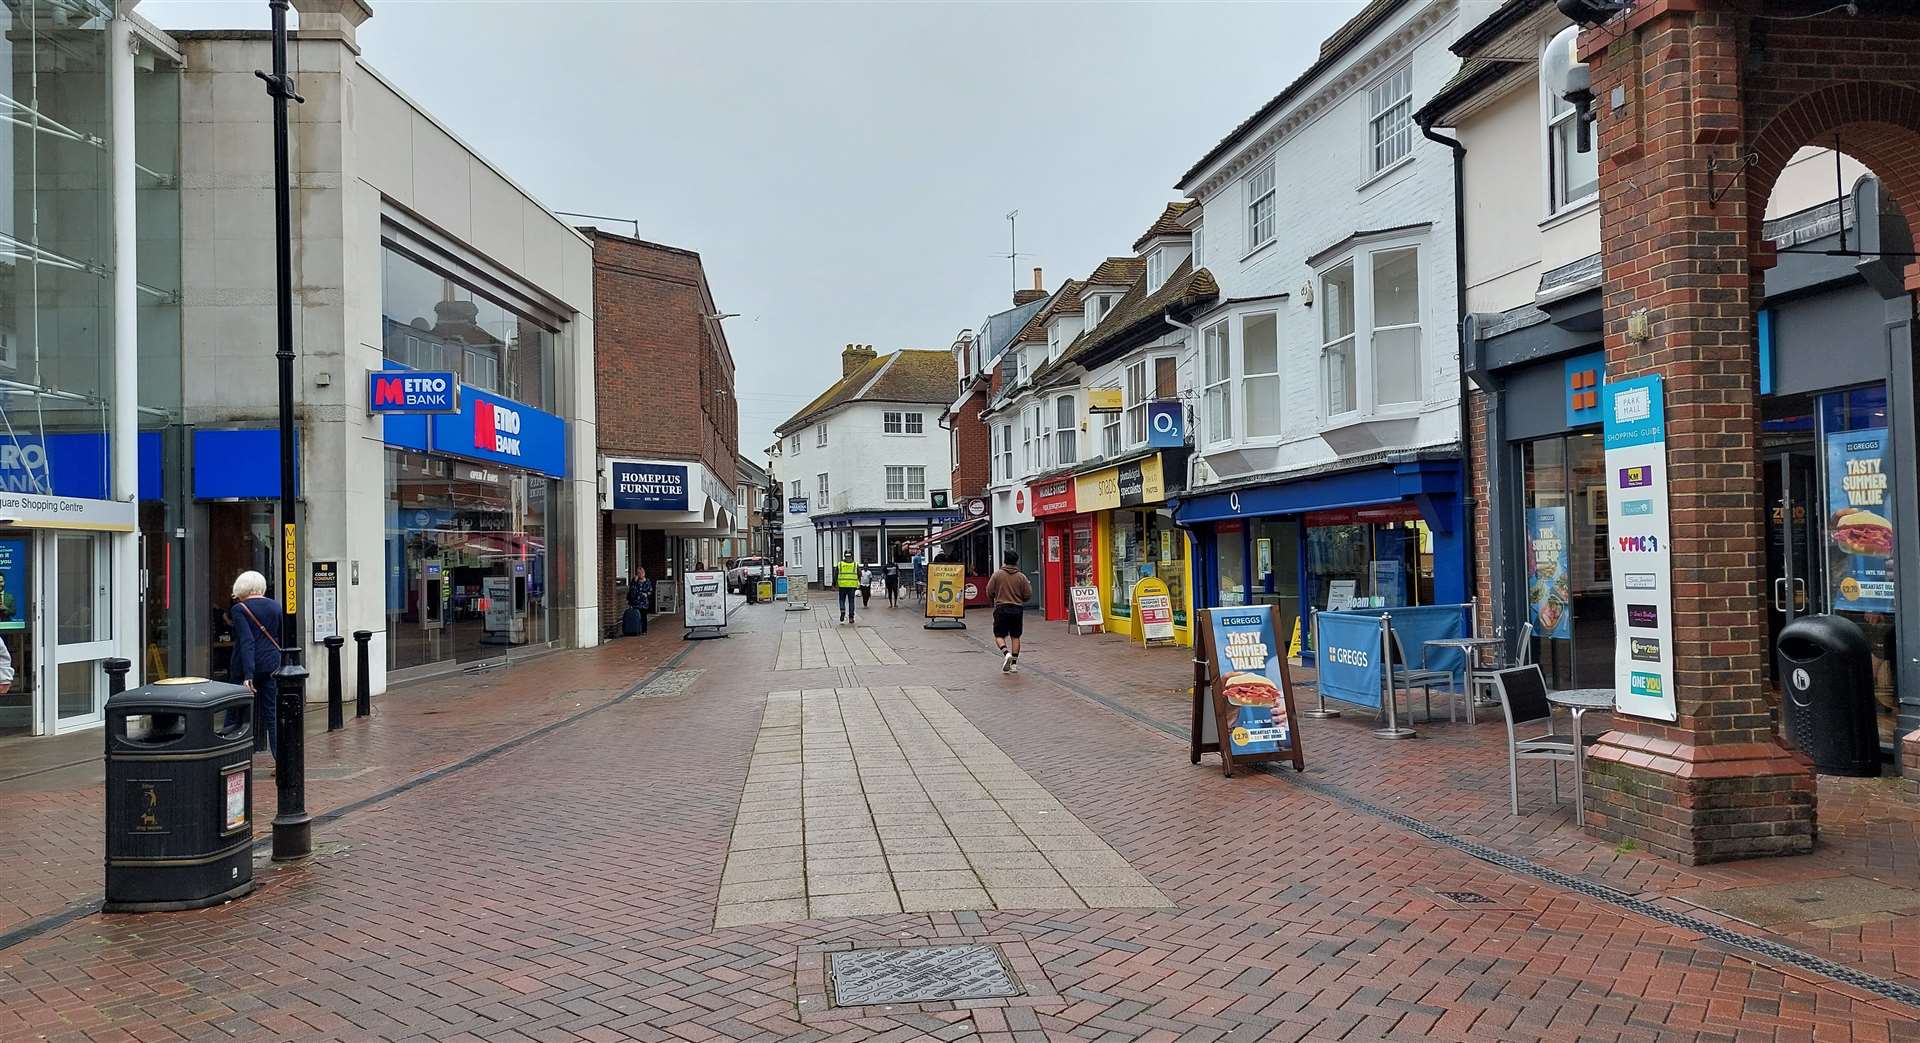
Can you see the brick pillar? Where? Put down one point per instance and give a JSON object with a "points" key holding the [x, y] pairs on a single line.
{"points": [[1715, 784]]}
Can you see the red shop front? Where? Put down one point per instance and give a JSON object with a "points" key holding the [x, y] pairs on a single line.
{"points": [[1067, 550]]}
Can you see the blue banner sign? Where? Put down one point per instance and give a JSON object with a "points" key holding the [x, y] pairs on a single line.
{"points": [[72, 463], [1860, 521], [1247, 668], [796, 505], [500, 430], [412, 391], [1166, 425], [648, 487], [1348, 657]]}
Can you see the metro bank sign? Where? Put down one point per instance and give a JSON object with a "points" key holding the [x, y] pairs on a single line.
{"points": [[412, 391]]}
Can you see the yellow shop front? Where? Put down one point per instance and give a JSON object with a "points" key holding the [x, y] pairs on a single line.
{"points": [[1137, 540]]}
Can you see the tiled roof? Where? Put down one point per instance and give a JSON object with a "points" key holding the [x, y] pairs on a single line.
{"points": [[1066, 298], [908, 375], [1167, 224], [1184, 287], [1332, 49], [1118, 271]]}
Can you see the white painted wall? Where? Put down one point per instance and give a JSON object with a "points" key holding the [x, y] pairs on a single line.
{"points": [[1326, 195], [855, 459]]}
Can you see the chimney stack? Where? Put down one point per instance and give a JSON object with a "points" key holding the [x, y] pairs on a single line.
{"points": [[1029, 296], [853, 356]]}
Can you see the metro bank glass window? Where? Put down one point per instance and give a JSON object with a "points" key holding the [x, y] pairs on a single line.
{"points": [[433, 321]]}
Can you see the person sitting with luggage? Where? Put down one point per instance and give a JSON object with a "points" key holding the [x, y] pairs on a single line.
{"points": [[639, 601]]}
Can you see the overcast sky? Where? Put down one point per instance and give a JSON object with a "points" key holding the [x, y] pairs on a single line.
{"points": [[844, 170]]}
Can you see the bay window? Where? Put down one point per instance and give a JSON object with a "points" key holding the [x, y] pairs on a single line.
{"points": [[1110, 435], [1370, 331], [1066, 431], [1005, 455], [1217, 360], [1337, 361], [1026, 442], [1260, 374], [1043, 434], [1396, 326], [1149, 380]]}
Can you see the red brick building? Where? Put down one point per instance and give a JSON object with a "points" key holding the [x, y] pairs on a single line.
{"points": [[962, 420], [1700, 105], [668, 418]]}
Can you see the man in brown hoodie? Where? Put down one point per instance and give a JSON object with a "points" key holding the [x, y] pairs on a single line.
{"points": [[1009, 592]]}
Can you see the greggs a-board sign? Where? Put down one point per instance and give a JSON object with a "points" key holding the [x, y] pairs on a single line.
{"points": [[1243, 692], [1053, 496]]}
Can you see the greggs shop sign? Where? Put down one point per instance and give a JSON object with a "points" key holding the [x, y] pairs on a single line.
{"points": [[1128, 485]]}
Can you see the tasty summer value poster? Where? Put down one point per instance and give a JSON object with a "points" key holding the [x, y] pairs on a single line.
{"points": [[1859, 521], [1247, 665], [1549, 595]]}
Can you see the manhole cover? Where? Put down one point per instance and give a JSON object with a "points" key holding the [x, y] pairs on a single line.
{"points": [[1466, 897], [949, 972], [673, 682]]}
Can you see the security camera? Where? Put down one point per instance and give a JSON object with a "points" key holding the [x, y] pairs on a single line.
{"points": [[1569, 77]]}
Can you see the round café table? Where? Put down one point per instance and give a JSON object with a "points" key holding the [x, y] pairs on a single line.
{"points": [[1578, 701]]}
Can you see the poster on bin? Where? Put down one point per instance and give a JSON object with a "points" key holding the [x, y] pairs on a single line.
{"points": [[1549, 585], [1639, 549], [1859, 521], [1247, 670], [706, 599], [946, 590]]}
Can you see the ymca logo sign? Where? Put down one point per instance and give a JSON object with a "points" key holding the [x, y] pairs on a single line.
{"points": [[496, 429]]}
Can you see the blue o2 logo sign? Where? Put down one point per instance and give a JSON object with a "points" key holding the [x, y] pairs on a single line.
{"points": [[411, 391]]}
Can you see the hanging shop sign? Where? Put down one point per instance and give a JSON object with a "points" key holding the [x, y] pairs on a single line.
{"points": [[1639, 549], [642, 486], [1549, 588], [412, 391], [797, 505], [1242, 691], [1086, 606], [1128, 485], [1053, 496], [1859, 521], [1104, 400], [1166, 425], [976, 507]]}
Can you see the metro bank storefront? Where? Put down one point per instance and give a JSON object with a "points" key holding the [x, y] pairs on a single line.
{"points": [[470, 528]]}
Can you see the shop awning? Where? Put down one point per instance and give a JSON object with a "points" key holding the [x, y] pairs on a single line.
{"points": [[948, 534]]}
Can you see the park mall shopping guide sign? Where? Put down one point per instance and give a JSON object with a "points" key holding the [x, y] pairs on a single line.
{"points": [[1639, 548]]}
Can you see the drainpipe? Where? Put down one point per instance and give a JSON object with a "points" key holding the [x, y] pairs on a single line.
{"points": [[1460, 314]]}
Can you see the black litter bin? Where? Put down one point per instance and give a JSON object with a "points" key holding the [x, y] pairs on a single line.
{"points": [[179, 795], [1826, 671]]}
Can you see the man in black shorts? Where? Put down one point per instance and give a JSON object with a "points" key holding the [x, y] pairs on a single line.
{"points": [[1009, 593]]}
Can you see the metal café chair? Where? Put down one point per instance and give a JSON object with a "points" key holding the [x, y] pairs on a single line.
{"points": [[1406, 678], [1522, 656], [1523, 700]]}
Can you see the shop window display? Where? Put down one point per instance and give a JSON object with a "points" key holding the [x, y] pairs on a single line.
{"points": [[1569, 588], [1380, 557], [1142, 544]]}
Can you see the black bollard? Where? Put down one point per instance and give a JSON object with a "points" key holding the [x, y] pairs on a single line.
{"points": [[336, 714], [116, 669], [292, 826], [363, 706]]}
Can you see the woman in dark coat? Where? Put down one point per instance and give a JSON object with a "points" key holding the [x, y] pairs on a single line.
{"points": [[256, 620]]}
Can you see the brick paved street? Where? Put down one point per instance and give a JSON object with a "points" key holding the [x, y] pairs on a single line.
{"points": [[568, 887]]}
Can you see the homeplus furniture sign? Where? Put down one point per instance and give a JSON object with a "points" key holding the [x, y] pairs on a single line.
{"points": [[1635, 427]]}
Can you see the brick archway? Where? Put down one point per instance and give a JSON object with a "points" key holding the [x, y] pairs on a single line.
{"points": [[1684, 89], [1875, 122]]}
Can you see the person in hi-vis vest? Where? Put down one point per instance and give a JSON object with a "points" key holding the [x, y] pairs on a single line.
{"points": [[846, 583]]}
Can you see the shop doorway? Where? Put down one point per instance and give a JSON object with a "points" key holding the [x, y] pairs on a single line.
{"points": [[1795, 581], [56, 619], [18, 598], [240, 538]]}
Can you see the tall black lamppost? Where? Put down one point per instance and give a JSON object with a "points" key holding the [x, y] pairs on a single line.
{"points": [[292, 826]]}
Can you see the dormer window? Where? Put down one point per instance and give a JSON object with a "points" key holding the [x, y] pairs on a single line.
{"points": [[1156, 269], [1096, 307]]}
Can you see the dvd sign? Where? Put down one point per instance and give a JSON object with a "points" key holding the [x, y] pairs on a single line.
{"points": [[411, 391]]}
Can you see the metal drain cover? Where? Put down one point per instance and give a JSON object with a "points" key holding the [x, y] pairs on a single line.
{"points": [[892, 975], [1466, 897]]}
